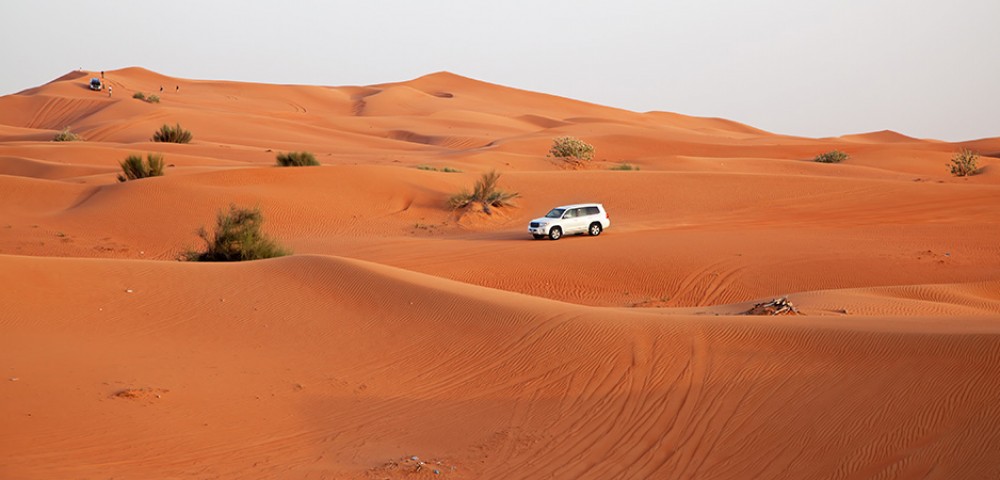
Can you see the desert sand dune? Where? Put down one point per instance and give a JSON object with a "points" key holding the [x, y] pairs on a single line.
{"points": [[315, 366], [401, 328], [883, 136], [26, 167]]}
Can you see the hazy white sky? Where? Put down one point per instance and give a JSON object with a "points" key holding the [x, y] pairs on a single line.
{"points": [[926, 68]]}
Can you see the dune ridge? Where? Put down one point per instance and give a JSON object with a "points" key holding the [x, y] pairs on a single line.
{"points": [[400, 328]]}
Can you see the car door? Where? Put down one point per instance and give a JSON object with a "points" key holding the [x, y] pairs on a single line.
{"points": [[583, 218], [576, 223], [592, 214]]}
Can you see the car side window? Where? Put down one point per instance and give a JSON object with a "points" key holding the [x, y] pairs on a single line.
{"points": [[592, 211], [570, 213]]}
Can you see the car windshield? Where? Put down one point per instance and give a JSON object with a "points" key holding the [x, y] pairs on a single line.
{"points": [[555, 213]]}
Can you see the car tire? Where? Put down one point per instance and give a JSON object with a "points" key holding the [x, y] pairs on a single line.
{"points": [[555, 233], [595, 229], [537, 236]]}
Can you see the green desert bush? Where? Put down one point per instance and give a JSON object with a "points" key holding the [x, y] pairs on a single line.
{"points": [[139, 95], [485, 193], [174, 134], [964, 163], [237, 237], [297, 159], [625, 167], [134, 168], [833, 156], [571, 150], [450, 170], [65, 135]]}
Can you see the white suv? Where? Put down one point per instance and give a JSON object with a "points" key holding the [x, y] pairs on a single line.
{"points": [[580, 218]]}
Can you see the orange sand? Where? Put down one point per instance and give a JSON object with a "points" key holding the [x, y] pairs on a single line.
{"points": [[400, 328]]}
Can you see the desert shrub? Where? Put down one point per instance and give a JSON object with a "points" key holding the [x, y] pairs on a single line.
{"points": [[964, 163], [134, 168], [65, 135], [435, 169], [485, 193], [237, 237], [572, 150], [174, 134], [297, 159], [149, 99], [833, 156], [625, 167]]}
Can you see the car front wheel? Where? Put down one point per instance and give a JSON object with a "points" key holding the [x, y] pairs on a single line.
{"points": [[595, 229], [555, 233]]}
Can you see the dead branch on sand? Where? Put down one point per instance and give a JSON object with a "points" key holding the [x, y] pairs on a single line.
{"points": [[778, 306]]}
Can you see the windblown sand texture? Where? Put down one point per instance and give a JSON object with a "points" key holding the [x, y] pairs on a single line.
{"points": [[400, 328]]}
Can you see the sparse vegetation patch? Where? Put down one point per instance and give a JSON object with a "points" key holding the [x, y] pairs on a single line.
{"points": [[149, 99], [134, 168], [625, 167], [964, 163], [834, 156], [297, 159], [435, 169], [175, 134], [146, 394], [65, 135], [237, 237], [485, 193], [571, 150]]}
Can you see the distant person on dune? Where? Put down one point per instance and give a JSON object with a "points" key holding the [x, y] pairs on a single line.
{"points": [[161, 88], [177, 89], [109, 91], [102, 73]]}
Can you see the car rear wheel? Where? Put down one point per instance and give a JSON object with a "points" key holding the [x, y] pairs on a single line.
{"points": [[595, 229], [555, 233]]}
